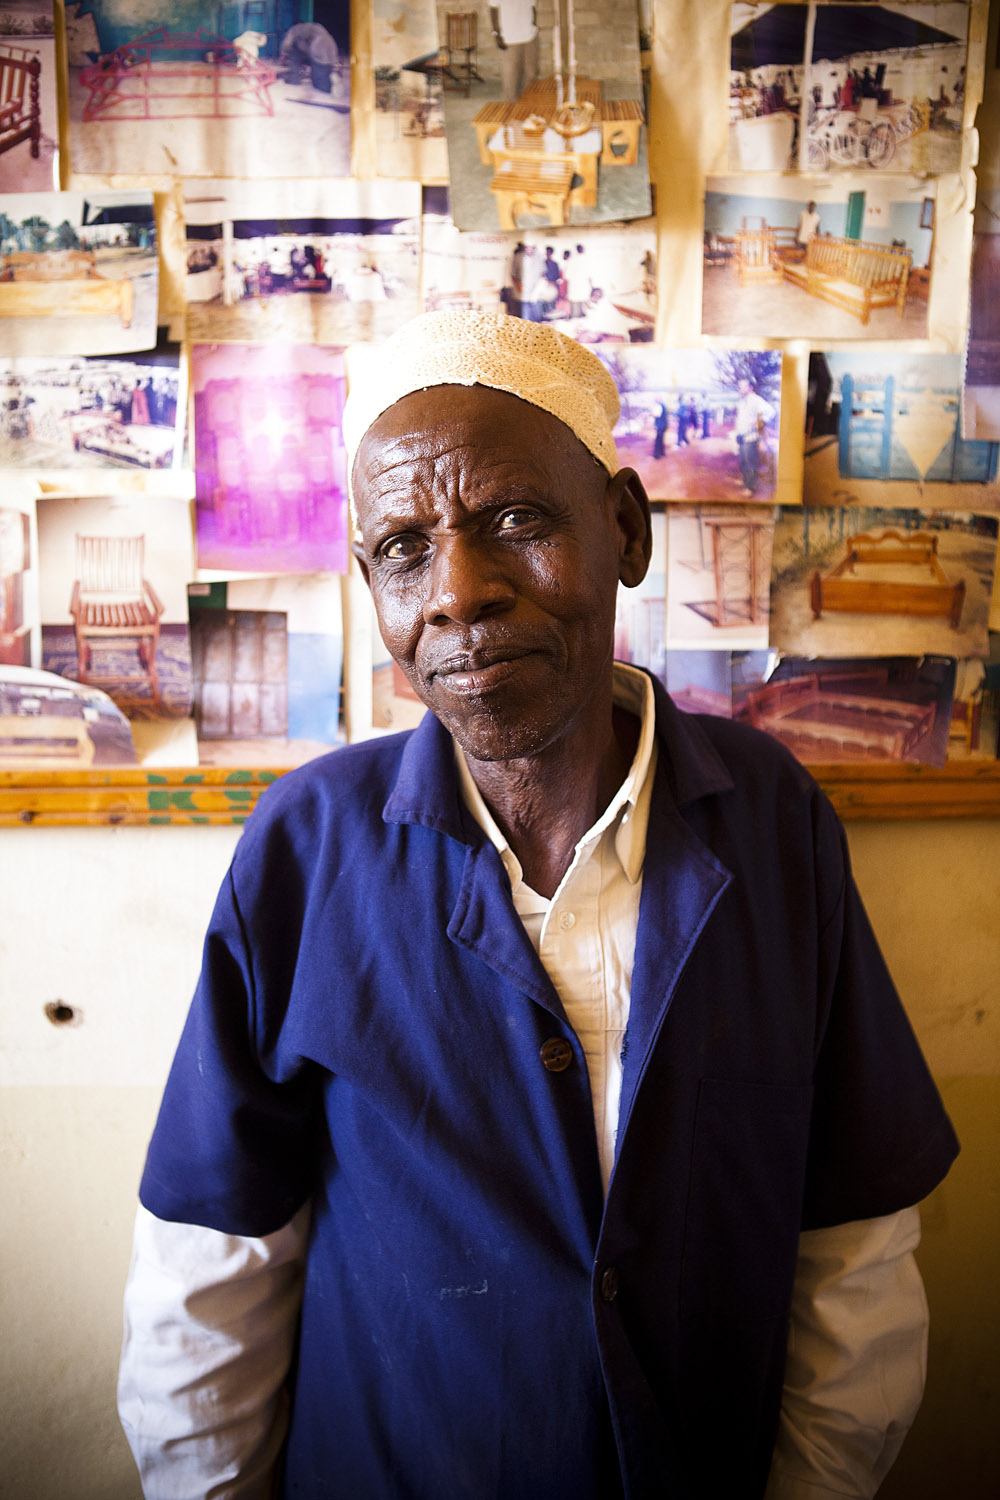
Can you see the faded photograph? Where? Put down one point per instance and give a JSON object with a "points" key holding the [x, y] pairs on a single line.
{"points": [[816, 258], [182, 87], [29, 110], [828, 87], [547, 126], [316, 262], [885, 429], [699, 424]]}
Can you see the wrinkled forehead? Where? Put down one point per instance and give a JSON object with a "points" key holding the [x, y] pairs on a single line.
{"points": [[467, 432]]}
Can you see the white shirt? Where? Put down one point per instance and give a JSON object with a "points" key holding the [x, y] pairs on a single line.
{"points": [[517, 21], [751, 411], [807, 226], [210, 1318]]}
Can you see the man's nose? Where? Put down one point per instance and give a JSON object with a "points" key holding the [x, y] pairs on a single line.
{"points": [[466, 582]]}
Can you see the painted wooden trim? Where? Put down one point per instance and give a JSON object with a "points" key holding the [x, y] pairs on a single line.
{"points": [[214, 795]]}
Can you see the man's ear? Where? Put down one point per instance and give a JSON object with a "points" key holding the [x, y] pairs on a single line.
{"points": [[630, 507], [359, 554]]}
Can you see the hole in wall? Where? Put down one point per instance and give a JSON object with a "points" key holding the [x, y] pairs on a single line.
{"points": [[61, 1014]]}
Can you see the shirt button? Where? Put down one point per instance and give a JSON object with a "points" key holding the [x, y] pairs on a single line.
{"points": [[609, 1284], [566, 920], [556, 1054]]}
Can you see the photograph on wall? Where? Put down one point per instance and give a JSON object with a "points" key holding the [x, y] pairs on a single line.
{"points": [[834, 87], [596, 284], [640, 613], [270, 464], [19, 636], [50, 723], [29, 111], [267, 664], [700, 682], [230, 90], [874, 581], [78, 272], [717, 576], [975, 712], [699, 424], [981, 395], [408, 73], [113, 575], [545, 119], [886, 429], [849, 710], [817, 258], [94, 411], [394, 703], [312, 262]]}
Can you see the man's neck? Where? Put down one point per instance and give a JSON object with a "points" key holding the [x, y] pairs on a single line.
{"points": [[545, 803]]}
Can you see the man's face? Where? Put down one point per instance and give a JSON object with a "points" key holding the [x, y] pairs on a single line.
{"points": [[744, 387], [493, 544]]}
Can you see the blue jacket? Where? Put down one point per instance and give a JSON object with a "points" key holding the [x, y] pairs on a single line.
{"points": [[478, 1324]]}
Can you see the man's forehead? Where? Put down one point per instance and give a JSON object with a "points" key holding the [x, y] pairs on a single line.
{"points": [[471, 422]]}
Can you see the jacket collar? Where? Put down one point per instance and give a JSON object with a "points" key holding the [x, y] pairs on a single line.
{"points": [[427, 790]]}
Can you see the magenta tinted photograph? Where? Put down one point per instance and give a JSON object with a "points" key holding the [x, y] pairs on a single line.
{"points": [[271, 490]]}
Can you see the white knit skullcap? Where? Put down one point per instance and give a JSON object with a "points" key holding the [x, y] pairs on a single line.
{"points": [[529, 360]]}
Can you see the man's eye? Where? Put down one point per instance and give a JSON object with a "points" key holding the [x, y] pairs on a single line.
{"points": [[399, 548], [518, 515]]}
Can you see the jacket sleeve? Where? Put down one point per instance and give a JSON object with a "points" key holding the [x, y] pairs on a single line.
{"points": [[854, 1373], [210, 1324]]}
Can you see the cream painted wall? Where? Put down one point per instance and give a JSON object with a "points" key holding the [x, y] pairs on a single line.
{"points": [[111, 921]]}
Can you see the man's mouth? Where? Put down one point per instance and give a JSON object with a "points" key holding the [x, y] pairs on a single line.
{"points": [[468, 673]]}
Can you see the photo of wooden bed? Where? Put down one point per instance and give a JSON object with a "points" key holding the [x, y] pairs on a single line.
{"points": [[50, 283], [823, 717], [893, 573]]}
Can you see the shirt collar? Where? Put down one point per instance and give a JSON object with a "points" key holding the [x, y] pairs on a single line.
{"points": [[633, 691]]}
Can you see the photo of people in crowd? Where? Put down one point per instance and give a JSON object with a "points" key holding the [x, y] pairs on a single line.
{"points": [[876, 86], [597, 284], [699, 424], [95, 411], [322, 261]]}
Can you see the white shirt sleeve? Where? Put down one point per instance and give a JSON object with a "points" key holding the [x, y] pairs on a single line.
{"points": [[857, 1354], [210, 1324]]}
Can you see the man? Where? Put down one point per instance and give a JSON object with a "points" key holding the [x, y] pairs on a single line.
{"points": [[752, 415], [808, 226], [547, 1043], [309, 48], [579, 285], [515, 32]]}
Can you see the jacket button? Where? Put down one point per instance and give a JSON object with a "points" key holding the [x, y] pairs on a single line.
{"points": [[609, 1284], [556, 1054]]}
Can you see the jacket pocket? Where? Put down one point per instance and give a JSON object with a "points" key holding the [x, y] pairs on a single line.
{"points": [[744, 1206]]}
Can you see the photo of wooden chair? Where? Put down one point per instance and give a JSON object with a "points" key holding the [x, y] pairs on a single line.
{"points": [[460, 50], [112, 603]]}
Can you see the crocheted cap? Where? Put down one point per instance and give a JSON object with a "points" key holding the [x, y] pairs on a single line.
{"points": [[504, 353]]}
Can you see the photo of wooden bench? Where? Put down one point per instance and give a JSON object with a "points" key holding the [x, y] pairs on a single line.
{"points": [[873, 593], [20, 113], [50, 283], [853, 274]]}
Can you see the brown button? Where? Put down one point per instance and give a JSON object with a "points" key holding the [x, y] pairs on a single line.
{"points": [[609, 1284], [556, 1054]]}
